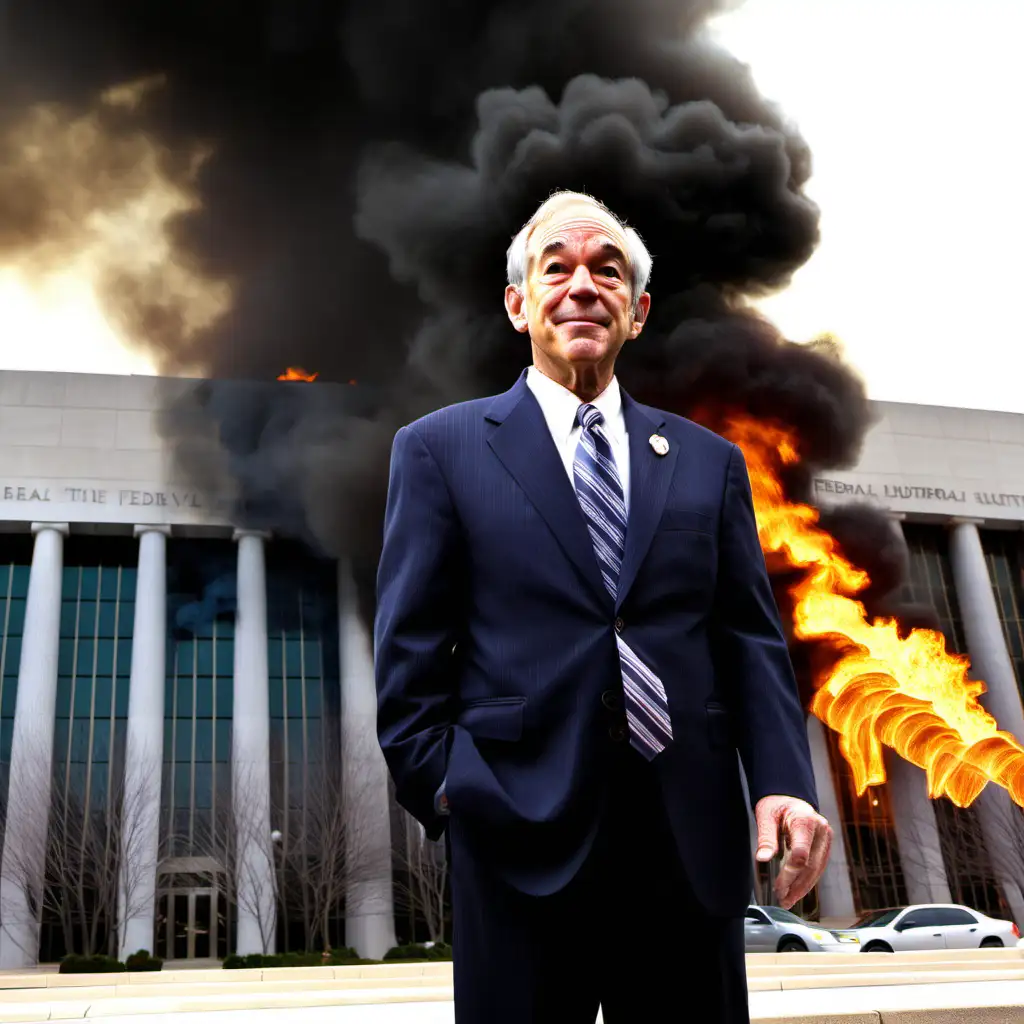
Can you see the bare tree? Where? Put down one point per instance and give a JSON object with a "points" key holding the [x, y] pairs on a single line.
{"points": [[421, 885], [314, 866], [88, 880]]}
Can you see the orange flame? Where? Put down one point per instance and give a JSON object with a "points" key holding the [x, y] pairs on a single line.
{"points": [[297, 373], [909, 693]]}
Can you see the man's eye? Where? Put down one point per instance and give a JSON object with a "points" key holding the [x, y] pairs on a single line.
{"points": [[555, 268], [610, 271]]}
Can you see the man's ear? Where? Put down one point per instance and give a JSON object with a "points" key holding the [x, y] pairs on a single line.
{"points": [[515, 306], [643, 307]]}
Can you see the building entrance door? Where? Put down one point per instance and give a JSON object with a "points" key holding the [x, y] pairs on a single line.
{"points": [[187, 924]]}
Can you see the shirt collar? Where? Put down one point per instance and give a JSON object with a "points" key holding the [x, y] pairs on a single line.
{"points": [[559, 405]]}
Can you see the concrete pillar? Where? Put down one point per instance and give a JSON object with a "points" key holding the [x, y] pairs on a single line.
{"points": [[255, 878], [990, 660], [835, 891], [140, 813], [917, 832], [28, 806], [369, 905]]}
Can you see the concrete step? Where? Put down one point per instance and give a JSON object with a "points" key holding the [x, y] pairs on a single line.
{"points": [[47, 996]]}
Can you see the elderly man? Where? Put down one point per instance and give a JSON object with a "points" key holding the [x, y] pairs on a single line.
{"points": [[575, 635]]}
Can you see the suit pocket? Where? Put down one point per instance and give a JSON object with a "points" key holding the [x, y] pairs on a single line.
{"points": [[720, 732], [684, 519], [494, 718]]}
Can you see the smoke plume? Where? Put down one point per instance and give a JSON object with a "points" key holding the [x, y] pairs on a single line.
{"points": [[349, 176]]}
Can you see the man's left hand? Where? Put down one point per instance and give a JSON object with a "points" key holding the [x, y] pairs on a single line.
{"points": [[807, 837]]}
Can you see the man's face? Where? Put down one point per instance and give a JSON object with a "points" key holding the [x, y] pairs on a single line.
{"points": [[577, 300]]}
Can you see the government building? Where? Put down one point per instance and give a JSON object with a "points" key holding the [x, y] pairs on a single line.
{"points": [[188, 760]]}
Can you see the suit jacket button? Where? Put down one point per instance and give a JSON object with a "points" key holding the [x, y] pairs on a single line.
{"points": [[610, 699], [619, 732], [619, 625]]}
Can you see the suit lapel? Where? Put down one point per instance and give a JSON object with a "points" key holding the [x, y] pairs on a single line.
{"points": [[650, 475], [523, 443]]}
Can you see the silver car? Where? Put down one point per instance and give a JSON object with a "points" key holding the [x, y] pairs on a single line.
{"points": [[930, 926], [774, 930]]}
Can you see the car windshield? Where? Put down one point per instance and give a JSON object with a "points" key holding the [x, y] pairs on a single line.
{"points": [[784, 916], [877, 918]]}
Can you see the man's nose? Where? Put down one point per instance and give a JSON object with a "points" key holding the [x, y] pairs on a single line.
{"points": [[582, 283]]}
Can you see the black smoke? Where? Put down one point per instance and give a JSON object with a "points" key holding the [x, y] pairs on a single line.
{"points": [[366, 164]]}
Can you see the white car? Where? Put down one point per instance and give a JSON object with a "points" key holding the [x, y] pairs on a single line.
{"points": [[930, 926], [774, 930]]}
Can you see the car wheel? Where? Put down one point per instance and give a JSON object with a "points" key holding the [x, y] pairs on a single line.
{"points": [[791, 945], [992, 943], [877, 947]]}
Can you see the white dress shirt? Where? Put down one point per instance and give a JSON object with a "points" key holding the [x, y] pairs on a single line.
{"points": [[559, 406]]}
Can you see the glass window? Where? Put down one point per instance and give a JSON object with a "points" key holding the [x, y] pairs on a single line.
{"points": [[204, 697], [277, 698], [101, 740], [107, 619], [204, 740], [182, 785], [123, 695], [103, 690], [878, 918], [222, 735], [225, 690], [105, 657], [204, 786], [183, 740], [84, 656], [80, 740], [951, 916], [109, 583], [82, 706]]}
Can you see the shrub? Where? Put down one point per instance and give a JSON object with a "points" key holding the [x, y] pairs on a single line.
{"points": [[142, 961], [75, 963], [336, 957], [418, 951]]}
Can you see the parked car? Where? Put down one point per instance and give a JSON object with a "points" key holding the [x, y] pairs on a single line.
{"points": [[774, 930], [930, 926]]}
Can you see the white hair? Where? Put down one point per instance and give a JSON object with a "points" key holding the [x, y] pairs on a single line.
{"points": [[640, 260]]}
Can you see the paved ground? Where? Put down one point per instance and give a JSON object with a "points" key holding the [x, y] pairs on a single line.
{"points": [[762, 1004]]}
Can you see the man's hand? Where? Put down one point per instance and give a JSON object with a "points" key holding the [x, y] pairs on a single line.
{"points": [[807, 837]]}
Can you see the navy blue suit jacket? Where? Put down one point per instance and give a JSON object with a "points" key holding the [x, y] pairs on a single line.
{"points": [[495, 642]]}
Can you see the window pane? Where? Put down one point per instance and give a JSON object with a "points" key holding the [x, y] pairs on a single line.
{"points": [[204, 740], [101, 740], [87, 617], [204, 785], [183, 740], [225, 696], [103, 701], [85, 656], [83, 697], [223, 737], [204, 697], [110, 579], [107, 619], [104, 657]]}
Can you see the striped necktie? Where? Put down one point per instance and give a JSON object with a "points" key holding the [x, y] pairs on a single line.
{"points": [[600, 495]]}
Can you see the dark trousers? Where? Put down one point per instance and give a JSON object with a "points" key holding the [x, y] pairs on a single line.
{"points": [[627, 933]]}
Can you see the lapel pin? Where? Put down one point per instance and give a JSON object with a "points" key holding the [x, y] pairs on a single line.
{"points": [[659, 444]]}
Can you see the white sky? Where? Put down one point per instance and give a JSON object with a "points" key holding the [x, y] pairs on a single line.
{"points": [[913, 109]]}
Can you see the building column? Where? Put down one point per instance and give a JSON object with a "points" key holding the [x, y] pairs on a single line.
{"points": [[254, 875], [140, 800], [835, 891], [369, 904], [24, 855], [990, 660], [917, 832]]}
